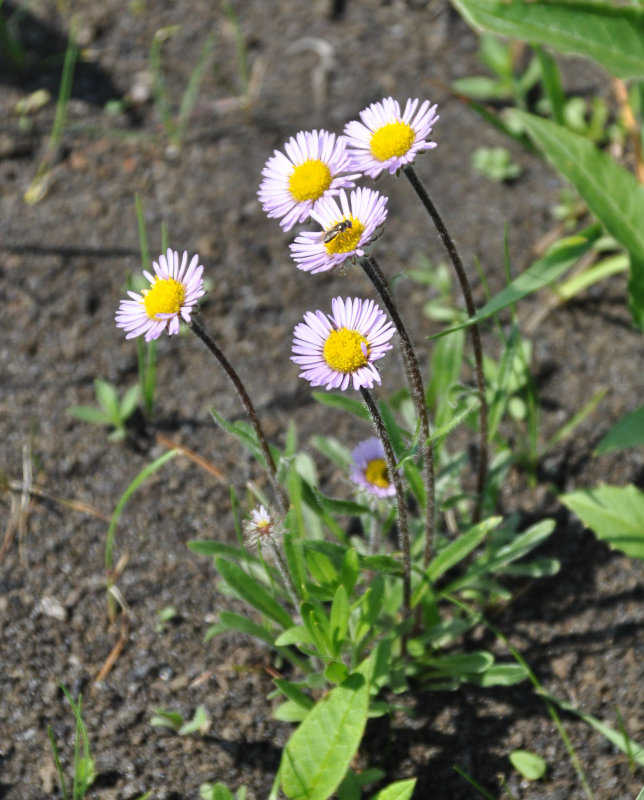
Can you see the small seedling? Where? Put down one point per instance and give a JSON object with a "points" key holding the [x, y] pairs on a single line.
{"points": [[113, 411]]}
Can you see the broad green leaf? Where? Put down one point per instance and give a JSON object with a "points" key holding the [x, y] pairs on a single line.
{"points": [[530, 765], [336, 672], [460, 548], [610, 191], [250, 591], [614, 513], [401, 790], [628, 432], [298, 634], [542, 273], [613, 36], [319, 753]]}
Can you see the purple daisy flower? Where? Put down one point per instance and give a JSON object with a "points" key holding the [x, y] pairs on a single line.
{"points": [[337, 349], [387, 139], [172, 296], [314, 165], [369, 469], [348, 227]]}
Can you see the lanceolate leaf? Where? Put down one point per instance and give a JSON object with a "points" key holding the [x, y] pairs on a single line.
{"points": [[250, 591], [612, 36], [318, 754], [614, 513], [610, 191], [401, 790]]}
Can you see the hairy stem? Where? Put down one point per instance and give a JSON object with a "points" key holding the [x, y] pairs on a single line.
{"points": [[280, 495], [474, 330], [373, 272]]}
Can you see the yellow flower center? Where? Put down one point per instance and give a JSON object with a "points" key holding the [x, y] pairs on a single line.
{"points": [[164, 297], [394, 139], [377, 473], [346, 351], [309, 180], [346, 240]]}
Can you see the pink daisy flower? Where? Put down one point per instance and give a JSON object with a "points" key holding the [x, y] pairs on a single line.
{"points": [[348, 227], [369, 469], [387, 139], [338, 349], [313, 166], [172, 296]]}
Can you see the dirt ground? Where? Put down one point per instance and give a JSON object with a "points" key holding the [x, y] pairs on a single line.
{"points": [[63, 266]]}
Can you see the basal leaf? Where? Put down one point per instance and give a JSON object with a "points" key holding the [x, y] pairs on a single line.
{"points": [[319, 753], [614, 513], [611, 35]]}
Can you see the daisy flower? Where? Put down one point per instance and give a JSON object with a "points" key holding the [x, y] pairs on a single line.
{"points": [[387, 139], [348, 228], [369, 469], [172, 296], [260, 527], [337, 349], [314, 165]]}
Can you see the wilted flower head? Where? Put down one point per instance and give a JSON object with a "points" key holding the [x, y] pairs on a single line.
{"points": [[261, 527], [338, 349], [387, 139], [348, 227], [172, 296], [314, 165], [369, 469]]}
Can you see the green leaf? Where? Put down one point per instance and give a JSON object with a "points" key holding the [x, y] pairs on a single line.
{"points": [[340, 507], [210, 547], [542, 273], [108, 398], [336, 672], [290, 712], [530, 765], [338, 620], [298, 634], [501, 675], [294, 693], [129, 402], [627, 433], [460, 664], [460, 548], [350, 570], [231, 621], [216, 791], [343, 403], [611, 192], [198, 724], [401, 790], [250, 591], [89, 414], [319, 753], [614, 513], [166, 719], [612, 36]]}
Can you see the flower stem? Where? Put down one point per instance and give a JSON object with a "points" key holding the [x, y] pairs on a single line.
{"points": [[283, 571], [373, 272], [474, 330], [271, 469], [403, 532]]}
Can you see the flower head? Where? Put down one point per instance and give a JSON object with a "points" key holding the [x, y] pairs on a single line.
{"points": [[369, 469], [348, 227], [387, 139], [337, 349], [313, 166], [172, 296], [260, 527]]}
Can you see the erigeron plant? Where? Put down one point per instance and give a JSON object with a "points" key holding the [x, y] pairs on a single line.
{"points": [[349, 613]]}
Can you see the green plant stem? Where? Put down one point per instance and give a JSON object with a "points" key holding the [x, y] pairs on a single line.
{"points": [[474, 330], [283, 571], [280, 495], [373, 272], [403, 532]]}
